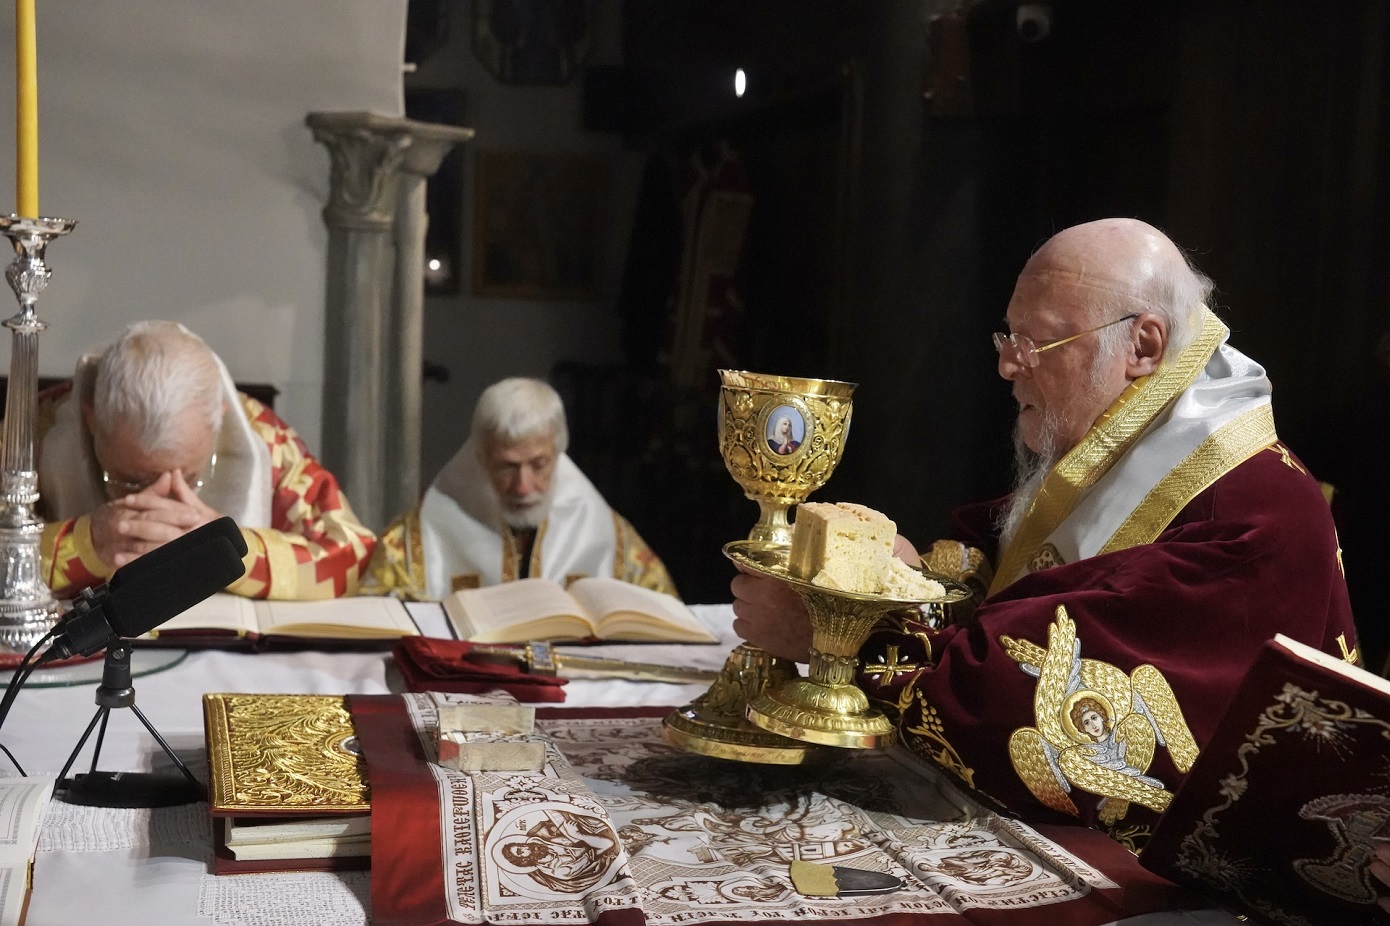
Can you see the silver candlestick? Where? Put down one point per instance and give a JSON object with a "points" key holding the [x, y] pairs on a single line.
{"points": [[27, 608]]}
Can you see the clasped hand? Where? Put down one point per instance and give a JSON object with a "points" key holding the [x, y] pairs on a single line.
{"points": [[135, 524]]}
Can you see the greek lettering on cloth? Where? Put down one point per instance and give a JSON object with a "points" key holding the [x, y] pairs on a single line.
{"points": [[622, 829]]}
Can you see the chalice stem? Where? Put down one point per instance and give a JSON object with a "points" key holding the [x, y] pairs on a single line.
{"points": [[772, 526]]}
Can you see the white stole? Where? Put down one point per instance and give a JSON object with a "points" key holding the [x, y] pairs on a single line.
{"points": [[1200, 415]]}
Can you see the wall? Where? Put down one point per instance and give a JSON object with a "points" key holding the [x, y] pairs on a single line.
{"points": [[173, 132], [480, 340]]}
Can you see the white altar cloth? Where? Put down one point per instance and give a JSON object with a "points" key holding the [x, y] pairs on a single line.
{"points": [[140, 867]]}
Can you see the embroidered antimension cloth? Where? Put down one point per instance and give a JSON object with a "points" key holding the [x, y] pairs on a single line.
{"points": [[623, 829]]}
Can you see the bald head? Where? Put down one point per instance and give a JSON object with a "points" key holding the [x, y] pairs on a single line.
{"points": [[1115, 267]]}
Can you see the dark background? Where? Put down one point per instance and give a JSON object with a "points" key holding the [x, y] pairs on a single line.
{"points": [[904, 158]]}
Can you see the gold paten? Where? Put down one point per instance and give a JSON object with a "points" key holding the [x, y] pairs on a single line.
{"points": [[714, 723], [276, 752], [750, 406], [827, 707]]}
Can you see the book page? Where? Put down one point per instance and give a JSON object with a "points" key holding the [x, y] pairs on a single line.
{"points": [[360, 617], [517, 612], [22, 803], [246, 830], [1328, 661], [630, 612], [222, 611]]}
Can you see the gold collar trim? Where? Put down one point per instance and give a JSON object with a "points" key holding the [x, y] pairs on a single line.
{"points": [[1231, 445]]}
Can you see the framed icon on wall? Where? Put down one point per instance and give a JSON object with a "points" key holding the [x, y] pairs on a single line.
{"points": [[539, 225]]}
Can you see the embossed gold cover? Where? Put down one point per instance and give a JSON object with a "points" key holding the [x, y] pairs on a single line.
{"points": [[283, 754]]}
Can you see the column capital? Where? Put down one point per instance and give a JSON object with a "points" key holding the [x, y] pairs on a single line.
{"points": [[368, 152]]}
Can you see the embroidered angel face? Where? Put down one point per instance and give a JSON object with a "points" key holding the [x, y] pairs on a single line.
{"points": [[1090, 719], [1098, 727]]}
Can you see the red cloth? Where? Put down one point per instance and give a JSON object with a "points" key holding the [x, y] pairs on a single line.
{"points": [[1253, 555], [430, 664]]}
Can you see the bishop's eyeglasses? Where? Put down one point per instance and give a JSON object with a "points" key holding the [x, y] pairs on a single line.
{"points": [[1025, 351], [119, 488]]}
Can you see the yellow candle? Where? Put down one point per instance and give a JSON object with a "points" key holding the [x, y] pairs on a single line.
{"points": [[26, 110]]}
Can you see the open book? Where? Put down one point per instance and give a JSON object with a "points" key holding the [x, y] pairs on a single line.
{"points": [[232, 617], [22, 803], [1280, 814], [592, 609]]}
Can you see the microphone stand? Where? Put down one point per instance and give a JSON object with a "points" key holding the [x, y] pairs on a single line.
{"points": [[123, 789]]}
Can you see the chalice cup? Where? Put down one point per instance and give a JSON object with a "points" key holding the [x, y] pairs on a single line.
{"points": [[781, 437]]}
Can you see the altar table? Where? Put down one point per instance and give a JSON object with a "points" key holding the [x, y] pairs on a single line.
{"points": [[152, 866]]}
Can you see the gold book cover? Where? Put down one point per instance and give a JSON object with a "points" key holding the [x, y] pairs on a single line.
{"points": [[283, 755]]}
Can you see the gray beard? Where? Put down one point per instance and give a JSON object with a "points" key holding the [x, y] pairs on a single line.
{"points": [[1032, 466], [528, 518], [1030, 469]]}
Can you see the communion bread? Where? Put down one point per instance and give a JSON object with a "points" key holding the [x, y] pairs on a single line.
{"points": [[850, 547], [842, 546], [908, 584]]}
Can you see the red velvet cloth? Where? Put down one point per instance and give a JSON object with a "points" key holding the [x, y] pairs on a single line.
{"points": [[1253, 555], [430, 664], [1299, 752]]}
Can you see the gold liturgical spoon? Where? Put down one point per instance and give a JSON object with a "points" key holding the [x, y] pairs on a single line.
{"points": [[781, 438]]}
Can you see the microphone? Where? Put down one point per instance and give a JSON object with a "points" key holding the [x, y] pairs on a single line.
{"points": [[152, 589]]}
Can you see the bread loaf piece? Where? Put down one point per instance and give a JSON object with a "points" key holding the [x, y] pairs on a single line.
{"points": [[842, 546], [849, 547]]}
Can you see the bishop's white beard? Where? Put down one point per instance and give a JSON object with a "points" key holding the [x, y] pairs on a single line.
{"points": [[1032, 466], [1030, 469], [533, 515]]}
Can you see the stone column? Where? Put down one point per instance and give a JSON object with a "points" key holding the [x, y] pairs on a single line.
{"points": [[374, 296], [405, 323]]}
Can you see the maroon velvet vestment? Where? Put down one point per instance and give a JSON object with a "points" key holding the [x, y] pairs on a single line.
{"points": [[1253, 554]]}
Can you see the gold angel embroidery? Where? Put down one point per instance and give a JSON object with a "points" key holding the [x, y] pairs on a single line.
{"points": [[1097, 728]]}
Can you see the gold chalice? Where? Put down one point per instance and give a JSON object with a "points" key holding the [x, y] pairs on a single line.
{"points": [[780, 437], [827, 707]]}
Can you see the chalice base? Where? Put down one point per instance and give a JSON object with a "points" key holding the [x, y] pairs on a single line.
{"points": [[830, 715], [733, 738], [714, 725]]}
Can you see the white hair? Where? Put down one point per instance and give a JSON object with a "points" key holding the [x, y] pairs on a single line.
{"points": [[1175, 291], [516, 408], [150, 376]]}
